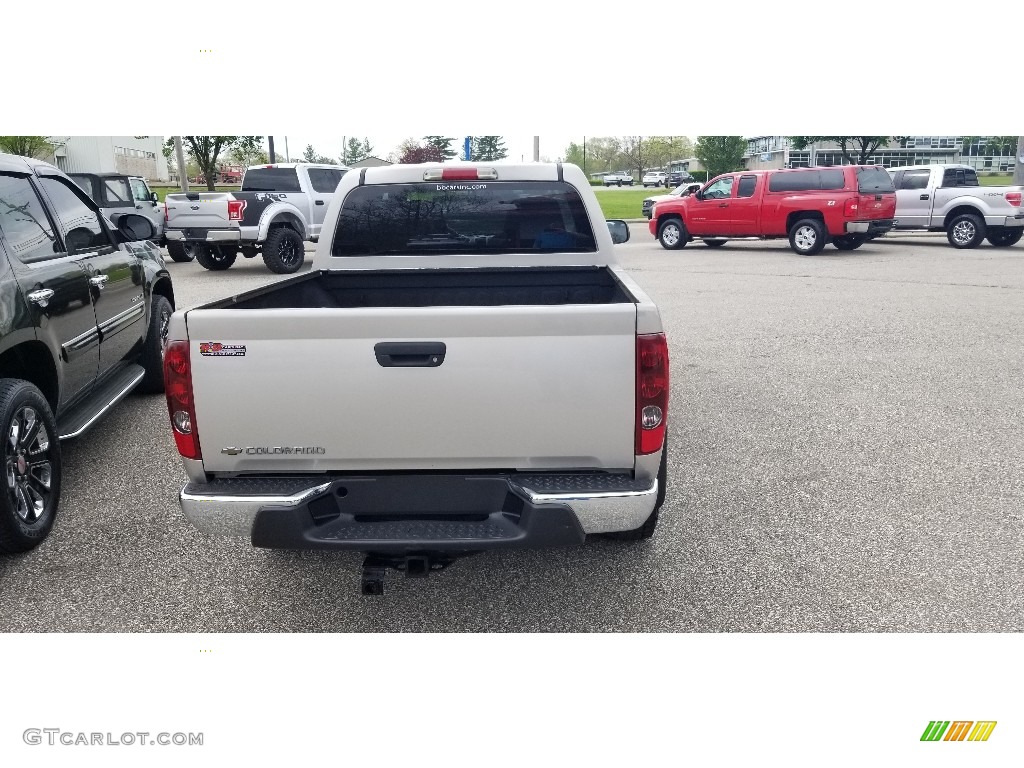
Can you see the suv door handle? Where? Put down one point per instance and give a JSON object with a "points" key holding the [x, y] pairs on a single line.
{"points": [[41, 297], [319, 202], [98, 280], [723, 205], [924, 197]]}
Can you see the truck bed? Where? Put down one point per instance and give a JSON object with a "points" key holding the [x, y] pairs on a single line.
{"points": [[515, 369]]}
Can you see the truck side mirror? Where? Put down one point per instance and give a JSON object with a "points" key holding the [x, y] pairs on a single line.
{"points": [[133, 227], [619, 230], [154, 197], [699, 194]]}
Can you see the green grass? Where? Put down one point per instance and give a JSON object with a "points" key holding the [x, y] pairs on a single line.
{"points": [[163, 192], [625, 203], [1002, 180]]}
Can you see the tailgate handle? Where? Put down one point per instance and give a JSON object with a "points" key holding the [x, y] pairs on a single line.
{"points": [[409, 354]]}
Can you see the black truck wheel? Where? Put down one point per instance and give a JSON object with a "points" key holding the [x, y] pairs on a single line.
{"points": [[672, 234], [849, 242], [1003, 236], [152, 357], [966, 231], [216, 257], [284, 251], [807, 236], [181, 252], [32, 466]]}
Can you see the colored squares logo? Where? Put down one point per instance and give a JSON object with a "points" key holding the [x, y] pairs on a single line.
{"points": [[958, 730]]}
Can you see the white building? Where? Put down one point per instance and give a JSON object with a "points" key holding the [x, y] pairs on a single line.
{"points": [[112, 154]]}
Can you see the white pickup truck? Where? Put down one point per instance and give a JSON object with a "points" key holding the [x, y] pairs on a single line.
{"points": [[278, 208], [473, 371], [618, 178], [948, 198]]}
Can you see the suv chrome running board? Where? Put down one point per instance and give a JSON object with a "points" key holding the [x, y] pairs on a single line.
{"points": [[110, 393]]}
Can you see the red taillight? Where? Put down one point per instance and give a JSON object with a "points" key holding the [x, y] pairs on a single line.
{"points": [[1013, 198], [651, 392], [852, 207], [235, 209], [180, 403]]}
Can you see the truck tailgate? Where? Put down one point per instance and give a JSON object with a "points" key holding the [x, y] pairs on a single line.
{"points": [[203, 210], [519, 387]]}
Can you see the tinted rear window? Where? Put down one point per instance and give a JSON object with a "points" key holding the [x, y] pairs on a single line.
{"points": [[325, 179], [874, 179], [117, 193], [804, 181], [271, 180], [960, 177], [469, 217]]}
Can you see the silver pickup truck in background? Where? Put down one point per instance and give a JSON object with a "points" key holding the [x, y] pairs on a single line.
{"points": [[476, 373], [948, 198], [278, 208]]}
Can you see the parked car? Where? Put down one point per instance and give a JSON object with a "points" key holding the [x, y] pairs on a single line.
{"points": [[654, 179], [278, 207], [505, 382], [675, 178], [87, 303], [618, 178], [844, 205], [681, 190], [948, 198]]}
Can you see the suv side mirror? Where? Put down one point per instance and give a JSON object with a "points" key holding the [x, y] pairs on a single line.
{"points": [[154, 197], [133, 227], [619, 230]]}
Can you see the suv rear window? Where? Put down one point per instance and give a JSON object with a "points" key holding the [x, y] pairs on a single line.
{"points": [[491, 217], [874, 179], [805, 181], [271, 180]]}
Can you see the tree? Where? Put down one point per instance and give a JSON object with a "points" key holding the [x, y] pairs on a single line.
{"points": [[661, 150], [442, 144], [356, 150], [990, 145], [488, 148], [856, 149], [38, 147], [206, 150], [421, 154], [720, 154], [636, 152], [249, 151], [574, 154], [310, 155]]}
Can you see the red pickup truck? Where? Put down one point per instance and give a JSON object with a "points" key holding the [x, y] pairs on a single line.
{"points": [[845, 205]]}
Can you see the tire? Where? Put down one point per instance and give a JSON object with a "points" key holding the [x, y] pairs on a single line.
{"points": [[715, 243], [179, 253], [32, 467], [216, 258], [152, 357], [672, 234], [646, 530], [619, 184], [284, 251], [807, 236], [849, 242], [1004, 236], [966, 231]]}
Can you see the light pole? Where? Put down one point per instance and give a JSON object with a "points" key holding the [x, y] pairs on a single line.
{"points": [[179, 155]]}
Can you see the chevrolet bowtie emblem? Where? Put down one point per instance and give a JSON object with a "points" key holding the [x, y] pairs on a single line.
{"points": [[231, 451]]}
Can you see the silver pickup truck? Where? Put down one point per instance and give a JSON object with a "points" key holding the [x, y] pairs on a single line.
{"points": [[278, 208], [471, 369], [948, 198]]}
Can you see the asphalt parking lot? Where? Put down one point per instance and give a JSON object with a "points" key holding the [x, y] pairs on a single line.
{"points": [[846, 455]]}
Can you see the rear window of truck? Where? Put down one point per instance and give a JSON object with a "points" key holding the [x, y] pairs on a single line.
{"points": [[874, 179], [271, 180], [806, 181], [960, 177], [463, 217]]}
